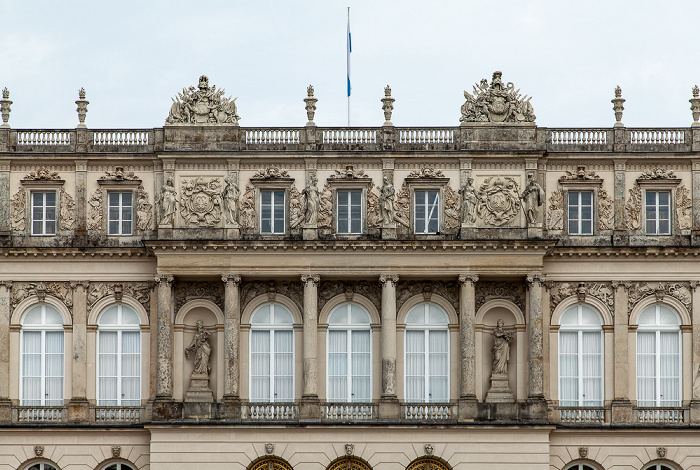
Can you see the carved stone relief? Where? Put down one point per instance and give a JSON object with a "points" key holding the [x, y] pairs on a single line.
{"points": [[580, 174], [325, 213], [426, 173], [247, 219], [684, 208], [42, 174], [119, 175], [18, 210], [402, 205], [452, 208], [407, 289], [499, 200], [141, 291], [555, 213], [60, 290], [633, 208], [329, 289], [490, 290], [67, 211], [496, 102], [657, 174], [94, 213], [312, 202], [606, 214], [641, 290], [201, 201], [348, 173], [293, 290], [144, 210], [373, 217], [202, 106], [230, 195], [296, 207], [270, 173], [186, 291], [602, 291]]}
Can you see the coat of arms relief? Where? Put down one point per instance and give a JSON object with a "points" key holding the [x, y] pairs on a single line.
{"points": [[498, 200], [201, 201], [496, 102], [205, 105]]}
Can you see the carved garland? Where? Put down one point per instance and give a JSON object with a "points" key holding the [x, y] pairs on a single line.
{"points": [[329, 289], [490, 290], [293, 290], [602, 291], [60, 290], [640, 290], [407, 289], [187, 291]]}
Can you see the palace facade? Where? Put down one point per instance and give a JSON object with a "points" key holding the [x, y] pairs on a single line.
{"points": [[485, 296]]}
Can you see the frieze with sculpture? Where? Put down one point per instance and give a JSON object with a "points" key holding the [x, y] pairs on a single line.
{"points": [[291, 290], [638, 291], [329, 289], [496, 102], [201, 201], [602, 291], [188, 291], [486, 291], [61, 290], [448, 290], [205, 105], [140, 291]]}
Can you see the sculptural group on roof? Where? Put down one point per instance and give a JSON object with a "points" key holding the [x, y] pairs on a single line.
{"points": [[496, 102]]}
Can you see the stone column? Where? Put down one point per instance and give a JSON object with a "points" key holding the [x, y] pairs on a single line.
{"points": [[5, 404], [389, 404], [310, 408], [163, 407], [232, 314], [621, 404], [80, 198], [536, 402], [620, 234], [78, 410], [467, 339], [5, 229], [695, 320]]}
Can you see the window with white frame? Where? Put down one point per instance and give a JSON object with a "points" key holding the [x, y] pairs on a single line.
{"points": [[349, 354], [580, 466], [426, 211], [118, 466], [119, 357], [581, 357], [658, 212], [120, 213], [272, 212], [43, 213], [41, 466], [427, 359], [659, 466], [658, 357], [41, 362], [580, 213], [272, 354], [349, 211]]}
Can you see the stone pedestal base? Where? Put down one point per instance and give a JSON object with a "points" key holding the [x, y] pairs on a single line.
{"points": [[389, 408], [230, 408], [78, 410], [534, 231], [499, 392], [5, 411], [165, 409], [622, 412], [694, 412], [467, 232], [620, 238], [309, 233], [232, 233], [535, 409], [468, 408], [310, 408], [498, 411], [199, 397], [165, 231], [389, 233]]}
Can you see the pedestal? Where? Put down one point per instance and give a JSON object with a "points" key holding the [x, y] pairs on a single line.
{"points": [[310, 408], [5, 411], [310, 233], [230, 408], [499, 392], [232, 233], [534, 231], [166, 409], [78, 410], [468, 409], [622, 412], [467, 232], [695, 412], [389, 232], [199, 397], [389, 408]]}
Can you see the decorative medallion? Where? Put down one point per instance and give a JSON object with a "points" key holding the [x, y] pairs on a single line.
{"points": [[496, 102], [201, 201], [203, 106], [499, 200]]}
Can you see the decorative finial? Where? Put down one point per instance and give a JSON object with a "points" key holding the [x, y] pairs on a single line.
{"points": [[387, 105], [82, 107], [617, 106], [387, 90], [81, 93], [696, 92], [310, 105], [695, 107], [6, 93], [5, 108]]}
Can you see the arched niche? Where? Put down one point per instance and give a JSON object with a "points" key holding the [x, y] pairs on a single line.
{"points": [[185, 328]]}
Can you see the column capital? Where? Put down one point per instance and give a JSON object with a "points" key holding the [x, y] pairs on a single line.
{"points": [[468, 278], [619, 164], [167, 279], [533, 279], [84, 284], [315, 278], [384, 278], [621, 284], [231, 279], [7, 284], [694, 285]]}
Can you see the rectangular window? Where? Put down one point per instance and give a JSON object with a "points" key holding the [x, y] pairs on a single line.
{"points": [[349, 211], [120, 213], [426, 211], [272, 217], [580, 213], [658, 212], [44, 213]]}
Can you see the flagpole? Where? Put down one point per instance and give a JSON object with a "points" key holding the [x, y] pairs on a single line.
{"points": [[349, 49]]}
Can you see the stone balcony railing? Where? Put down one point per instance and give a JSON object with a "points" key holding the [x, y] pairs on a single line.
{"points": [[372, 139]]}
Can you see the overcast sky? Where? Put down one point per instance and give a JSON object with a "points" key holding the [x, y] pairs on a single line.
{"points": [[133, 56]]}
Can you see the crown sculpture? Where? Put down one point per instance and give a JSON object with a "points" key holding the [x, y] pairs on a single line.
{"points": [[496, 102], [207, 105]]}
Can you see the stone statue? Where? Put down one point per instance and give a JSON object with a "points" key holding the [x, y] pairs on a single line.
{"points": [[313, 202], [203, 106], [533, 197], [386, 202], [168, 202], [469, 200], [231, 195], [202, 350], [496, 102], [501, 349]]}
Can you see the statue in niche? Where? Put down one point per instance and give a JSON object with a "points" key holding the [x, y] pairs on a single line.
{"points": [[469, 200], [202, 350], [501, 349], [231, 195], [533, 197], [386, 202], [313, 202], [168, 202]]}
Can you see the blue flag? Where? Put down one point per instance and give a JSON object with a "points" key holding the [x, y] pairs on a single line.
{"points": [[349, 51]]}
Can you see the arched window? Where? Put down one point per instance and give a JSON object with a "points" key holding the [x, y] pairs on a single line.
{"points": [[118, 357], [270, 463], [427, 463], [349, 463], [117, 466], [658, 466], [41, 366], [349, 354], [427, 349], [658, 357], [581, 357], [272, 354], [41, 466], [580, 466]]}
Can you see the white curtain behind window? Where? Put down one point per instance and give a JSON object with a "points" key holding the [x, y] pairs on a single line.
{"points": [[271, 354], [42, 357], [415, 365]]}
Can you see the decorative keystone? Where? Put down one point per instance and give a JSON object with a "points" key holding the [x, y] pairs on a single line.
{"points": [[310, 101], [387, 105], [5, 108], [82, 107], [617, 106], [694, 107]]}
